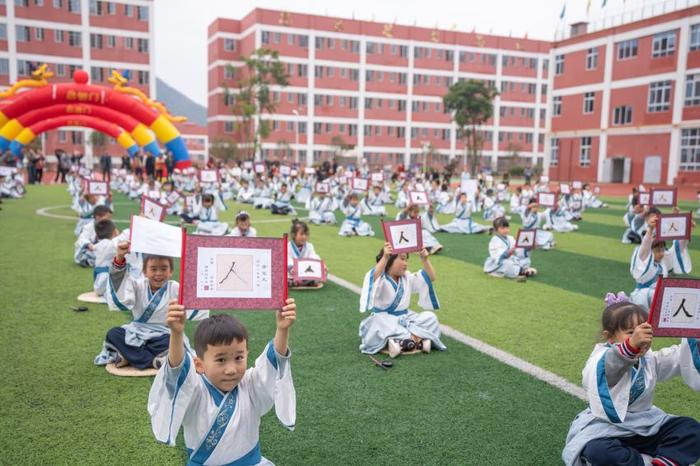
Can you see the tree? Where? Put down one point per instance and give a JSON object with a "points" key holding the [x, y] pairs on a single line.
{"points": [[224, 150], [98, 139], [261, 70], [471, 105]]}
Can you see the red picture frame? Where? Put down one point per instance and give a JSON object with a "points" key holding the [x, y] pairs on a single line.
{"points": [[644, 198], [523, 231], [418, 198], [682, 235], [91, 184], [656, 191], [386, 226], [209, 172], [163, 211], [323, 188], [298, 263], [356, 181], [553, 204], [194, 248], [662, 311]]}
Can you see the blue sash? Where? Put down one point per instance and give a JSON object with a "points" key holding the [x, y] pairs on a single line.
{"points": [[391, 309], [152, 304], [98, 270]]}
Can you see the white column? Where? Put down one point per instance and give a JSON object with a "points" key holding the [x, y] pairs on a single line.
{"points": [[151, 60], [409, 107], [605, 107], [360, 146], [548, 114], [674, 149], [538, 106], [496, 112], [11, 39], [310, 105], [453, 125]]}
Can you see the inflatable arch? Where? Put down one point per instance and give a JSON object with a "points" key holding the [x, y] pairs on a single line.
{"points": [[136, 117]]}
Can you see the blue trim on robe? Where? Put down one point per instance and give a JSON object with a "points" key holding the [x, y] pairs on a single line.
{"points": [[679, 257], [391, 281], [272, 354], [193, 315], [152, 304], [431, 290], [180, 381], [391, 309], [215, 393], [604, 392], [371, 285], [118, 303], [638, 382], [98, 270], [251, 458], [695, 352], [217, 429]]}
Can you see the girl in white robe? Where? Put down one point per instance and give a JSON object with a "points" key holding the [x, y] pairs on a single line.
{"points": [[462, 222], [621, 424], [651, 259], [243, 227], [590, 200], [505, 260], [373, 204], [353, 225], [445, 203], [84, 206], [321, 207], [208, 220], [299, 247], [263, 196], [634, 220], [555, 219], [533, 219], [402, 197], [246, 193], [283, 202], [492, 208], [431, 244], [386, 293], [429, 219]]}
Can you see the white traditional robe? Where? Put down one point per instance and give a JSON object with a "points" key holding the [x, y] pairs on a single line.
{"points": [[321, 210], [556, 220], [81, 254], [390, 318], [621, 396], [543, 239], [635, 223], [646, 271], [209, 223], [251, 233], [373, 205], [462, 222], [222, 428], [353, 223], [499, 263]]}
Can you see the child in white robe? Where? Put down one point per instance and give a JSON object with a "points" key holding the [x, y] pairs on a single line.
{"points": [[651, 259], [84, 247], [263, 196], [373, 204], [283, 202], [246, 193], [84, 206], [353, 225], [142, 342], [462, 222], [590, 200], [214, 397], [386, 293], [555, 219], [243, 227], [621, 424], [402, 197], [445, 203], [532, 219], [321, 207], [505, 260], [492, 208], [429, 219], [299, 248], [208, 220], [431, 244], [105, 248], [634, 220]]}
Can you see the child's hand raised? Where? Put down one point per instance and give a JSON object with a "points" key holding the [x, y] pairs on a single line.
{"points": [[651, 221], [388, 250], [122, 250], [642, 337], [287, 315], [423, 253], [176, 317]]}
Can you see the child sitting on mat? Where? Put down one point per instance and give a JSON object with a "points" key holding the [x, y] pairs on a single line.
{"points": [[299, 248], [208, 219], [353, 225], [84, 254], [386, 293], [621, 423], [144, 340], [243, 227], [105, 249], [214, 396]]}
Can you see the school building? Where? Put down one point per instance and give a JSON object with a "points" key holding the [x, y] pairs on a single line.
{"points": [[373, 91], [625, 102]]}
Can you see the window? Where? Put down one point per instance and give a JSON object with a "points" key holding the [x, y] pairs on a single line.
{"points": [[128, 11], [142, 13], [96, 41], [3, 31], [229, 45], [111, 41], [4, 66], [62, 136], [265, 37], [111, 8], [22, 33], [39, 2], [128, 42], [659, 96], [556, 105], [39, 34], [588, 102], [303, 41], [74, 6], [142, 45], [690, 149], [97, 74], [592, 59], [142, 77], [95, 8], [21, 2], [663, 44], [228, 127], [695, 37], [58, 4], [554, 153], [692, 90], [277, 37], [584, 158], [559, 64], [58, 35], [74, 39], [228, 73], [622, 115], [60, 69], [627, 49]]}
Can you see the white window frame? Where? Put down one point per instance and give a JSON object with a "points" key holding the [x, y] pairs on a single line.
{"points": [[592, 59], [663, 44], [584, 156], [588, 103], [556, 105], [659, 99], [627, 49]]}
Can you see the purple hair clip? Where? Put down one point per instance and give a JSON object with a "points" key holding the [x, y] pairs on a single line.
{"points": [[612, 298]]}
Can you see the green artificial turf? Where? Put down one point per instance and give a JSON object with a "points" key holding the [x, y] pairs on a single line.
{"points": [[456, 407]]}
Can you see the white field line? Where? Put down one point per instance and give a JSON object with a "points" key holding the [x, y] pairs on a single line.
{"points": [[500, 355]]}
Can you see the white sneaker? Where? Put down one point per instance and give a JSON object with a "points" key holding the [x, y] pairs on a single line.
{"points": [[426, 344], [394, 348]]}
